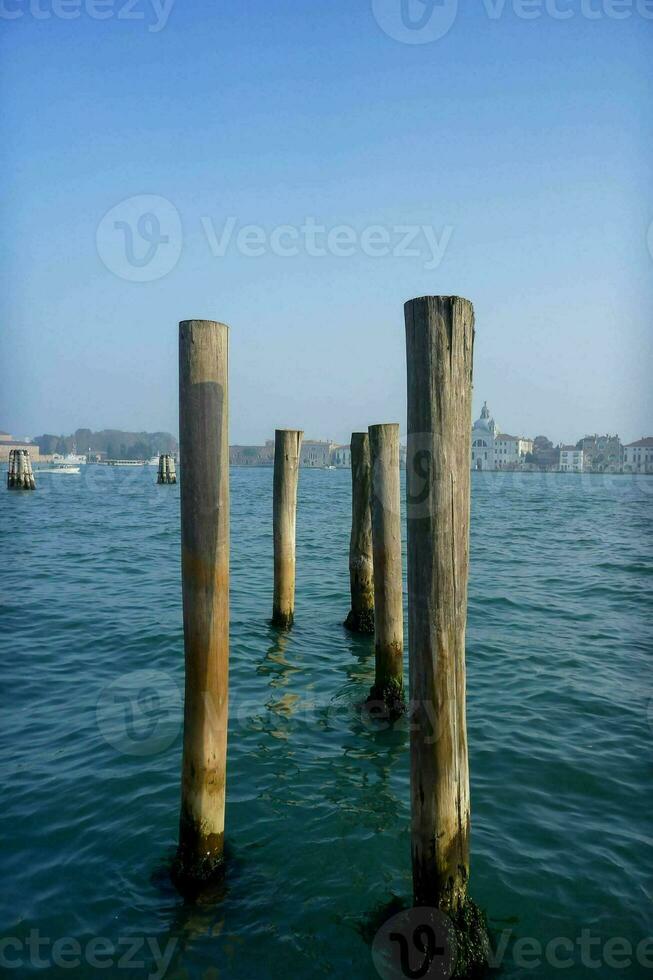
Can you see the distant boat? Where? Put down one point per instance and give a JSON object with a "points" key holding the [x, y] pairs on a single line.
{"points": [[126, 462], [154, 461], [74, 459], [56, 467]]}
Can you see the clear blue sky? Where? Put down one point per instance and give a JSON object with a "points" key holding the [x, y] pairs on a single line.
{"points": [[523, 144]]}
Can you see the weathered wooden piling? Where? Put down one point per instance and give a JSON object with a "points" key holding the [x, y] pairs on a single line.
{"points": [[287, 448], [385, 506], [19, 474], [361, 576], [439, 346], [167, 472], [203, 417]]}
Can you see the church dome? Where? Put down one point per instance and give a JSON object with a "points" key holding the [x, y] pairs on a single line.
{"points": [[485, 421]]}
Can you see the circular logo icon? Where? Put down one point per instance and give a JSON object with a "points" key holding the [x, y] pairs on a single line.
{"points": [[415, 21], [140, 239], [140, 713], [418, 944]]}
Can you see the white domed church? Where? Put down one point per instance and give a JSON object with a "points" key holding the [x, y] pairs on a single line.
{"points": [[484, 432]]}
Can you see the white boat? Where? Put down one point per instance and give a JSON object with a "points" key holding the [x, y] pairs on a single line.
{"points": [[153, 462], [57, 468], [72, 459]]}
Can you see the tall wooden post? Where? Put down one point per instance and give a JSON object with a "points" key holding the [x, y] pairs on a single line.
{"points": [[203, 418], [439, 349], [385, 505], [287, 449], [361, 575]]}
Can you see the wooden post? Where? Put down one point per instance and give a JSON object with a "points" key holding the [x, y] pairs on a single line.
{"points": [[287, 448], [385, 505], [19, 473], [439, 355], [361, 575], [166, 473], [203, 436]]}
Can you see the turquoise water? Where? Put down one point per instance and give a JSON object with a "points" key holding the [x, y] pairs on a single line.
{"points": [[559, 653]]}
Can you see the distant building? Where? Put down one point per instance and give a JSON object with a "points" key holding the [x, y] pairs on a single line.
{"points": [[252, 455], [315, 452], [510, 451], [341, 456], [484, 431], [571, 459], [7, 443], [601, 454], [638, 456]]}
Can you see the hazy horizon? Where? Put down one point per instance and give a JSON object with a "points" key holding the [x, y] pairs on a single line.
{"points": [[514, 150]]}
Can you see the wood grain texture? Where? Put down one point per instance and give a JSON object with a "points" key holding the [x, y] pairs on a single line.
{"points": [[385, 506], [204, 447], [287, 448], [439, 347], [361, 565]]}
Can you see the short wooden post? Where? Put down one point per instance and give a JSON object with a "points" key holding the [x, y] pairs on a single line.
{"points": [[19, 473], [361, 575], [439, 347], [166, 473], [385, 505], [287, 448], [203, 416]]}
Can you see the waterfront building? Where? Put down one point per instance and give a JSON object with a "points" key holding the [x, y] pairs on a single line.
{"points": [[638, 456], [484, 431], [252, 455], [316, 452], [601, 454], [510, 451], [571, 459], [341, 456], [7, 443]]}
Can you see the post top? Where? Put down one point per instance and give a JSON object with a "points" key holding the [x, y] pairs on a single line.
{"points": [[296, 432], [205, 323], [384, 425], [439, 299]]}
